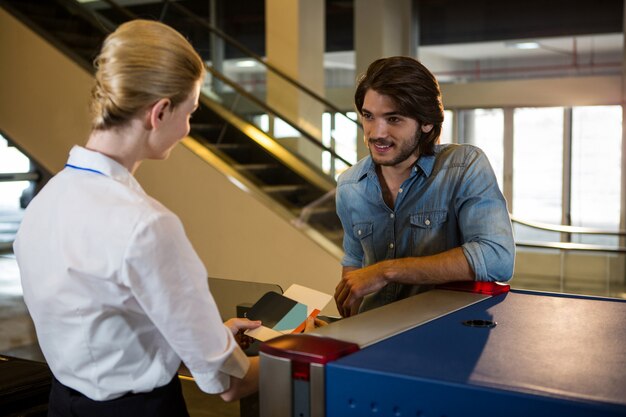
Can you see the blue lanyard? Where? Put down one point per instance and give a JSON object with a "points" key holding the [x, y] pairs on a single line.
{"points": [[85, 169]]}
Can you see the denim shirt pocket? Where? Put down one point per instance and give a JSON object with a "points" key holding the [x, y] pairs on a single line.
{"points": [[428, 236], [363, 232]]}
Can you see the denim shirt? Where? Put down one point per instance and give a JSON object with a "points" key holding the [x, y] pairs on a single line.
{"points": [[451, 199]]}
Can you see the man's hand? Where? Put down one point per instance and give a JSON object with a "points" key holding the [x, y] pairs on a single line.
{"points": [[354, 285], [313, 323], [237, 326]]}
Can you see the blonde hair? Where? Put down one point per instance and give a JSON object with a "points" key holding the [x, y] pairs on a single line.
{"points": [[140, 63]]}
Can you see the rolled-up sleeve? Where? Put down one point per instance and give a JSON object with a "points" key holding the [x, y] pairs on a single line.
{"points": [[484, 222]]}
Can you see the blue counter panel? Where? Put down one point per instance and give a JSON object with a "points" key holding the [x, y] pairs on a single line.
{"points": [[549, 354]]}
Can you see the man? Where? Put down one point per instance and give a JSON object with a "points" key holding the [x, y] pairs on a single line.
{"points": [[415, 213]]}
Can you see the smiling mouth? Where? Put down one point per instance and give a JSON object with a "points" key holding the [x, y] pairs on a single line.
{"points": [[381, 147]]}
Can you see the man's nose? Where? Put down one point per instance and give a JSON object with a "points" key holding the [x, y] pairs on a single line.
{"points": [[379, 129]]}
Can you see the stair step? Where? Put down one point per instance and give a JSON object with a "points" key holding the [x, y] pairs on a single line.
{"points": [[79, 40], [334, 235], [205, 126], [230, 146], [283, 189], [321, 209], [255, 167]]}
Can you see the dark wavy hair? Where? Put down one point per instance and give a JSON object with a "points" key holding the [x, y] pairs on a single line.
{"points": [[413, 89]]}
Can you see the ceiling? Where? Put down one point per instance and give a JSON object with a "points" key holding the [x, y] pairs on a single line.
{"points": [[454, 35]]}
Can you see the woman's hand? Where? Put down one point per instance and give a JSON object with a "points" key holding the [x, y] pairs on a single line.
{"points": [[238, 326]]}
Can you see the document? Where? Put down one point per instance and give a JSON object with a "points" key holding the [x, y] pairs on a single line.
{"points": [[285, 313]]}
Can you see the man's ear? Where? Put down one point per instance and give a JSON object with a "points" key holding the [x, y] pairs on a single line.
{"points": [[156, 112], [427, 128]]}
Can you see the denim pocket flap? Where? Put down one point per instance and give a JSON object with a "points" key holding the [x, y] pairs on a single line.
{"points": [[429, 219], [362, 230]]}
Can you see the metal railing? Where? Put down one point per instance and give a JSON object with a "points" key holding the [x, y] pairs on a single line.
{"points": [[569, 267], [252, 104], [570, 230]]}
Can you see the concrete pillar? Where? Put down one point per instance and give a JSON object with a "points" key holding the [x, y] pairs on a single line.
{"points": [[295, 43], [217, 44], [382, 28], [622, 241]]}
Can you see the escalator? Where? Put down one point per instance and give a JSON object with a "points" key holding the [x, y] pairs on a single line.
{"points": [[227, 122]]}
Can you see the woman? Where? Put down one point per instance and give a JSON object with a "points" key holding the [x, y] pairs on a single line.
{"points": [[117, 293]]}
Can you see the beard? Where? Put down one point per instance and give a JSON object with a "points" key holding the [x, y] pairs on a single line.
{"points": [[405, 149]]}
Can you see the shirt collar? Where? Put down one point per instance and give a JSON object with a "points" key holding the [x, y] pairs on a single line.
{"points": [[426, 164], [96, 161]]}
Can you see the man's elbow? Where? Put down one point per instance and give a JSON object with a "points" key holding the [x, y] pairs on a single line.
{"points": [[492, 262], [502, 269]]}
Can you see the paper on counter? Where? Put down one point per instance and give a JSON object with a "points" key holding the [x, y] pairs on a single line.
{"points": [[314, 300]]}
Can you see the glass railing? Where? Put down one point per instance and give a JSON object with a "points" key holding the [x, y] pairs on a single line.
{"points": [[564, 266], [556, 266], [264, 97]]}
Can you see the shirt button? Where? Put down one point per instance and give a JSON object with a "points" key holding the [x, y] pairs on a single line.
{"points": [[391, 246], [400, 190], [427, 222], [359, 233], [392, 215]]}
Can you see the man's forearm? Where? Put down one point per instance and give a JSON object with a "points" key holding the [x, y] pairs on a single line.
{"points": [[436, 269], [443, 267]]}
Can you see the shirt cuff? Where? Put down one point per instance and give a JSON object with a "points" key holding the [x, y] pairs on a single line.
{"points": [[476, 260], [236, 365], [351, 262]]}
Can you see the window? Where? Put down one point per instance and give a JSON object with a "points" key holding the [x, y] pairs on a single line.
{"points": [[596, 171], [485, 128], [343, 141], [538, 169], [11, 161], [446, 128]]}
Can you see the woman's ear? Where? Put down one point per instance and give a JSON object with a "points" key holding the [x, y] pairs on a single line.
{"points": [[427, 128], [156, 113]]}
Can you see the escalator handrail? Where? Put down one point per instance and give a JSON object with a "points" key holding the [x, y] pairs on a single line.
{"points": [[104, 25], [264, 105], [234, 85], [259, 59], [121, 9]]}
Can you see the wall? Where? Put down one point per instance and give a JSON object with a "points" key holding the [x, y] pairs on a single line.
{"points": [[44, 108], [546, 92]]}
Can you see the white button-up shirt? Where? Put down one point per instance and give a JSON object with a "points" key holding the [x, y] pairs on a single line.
{"points": [[116, 291]]}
